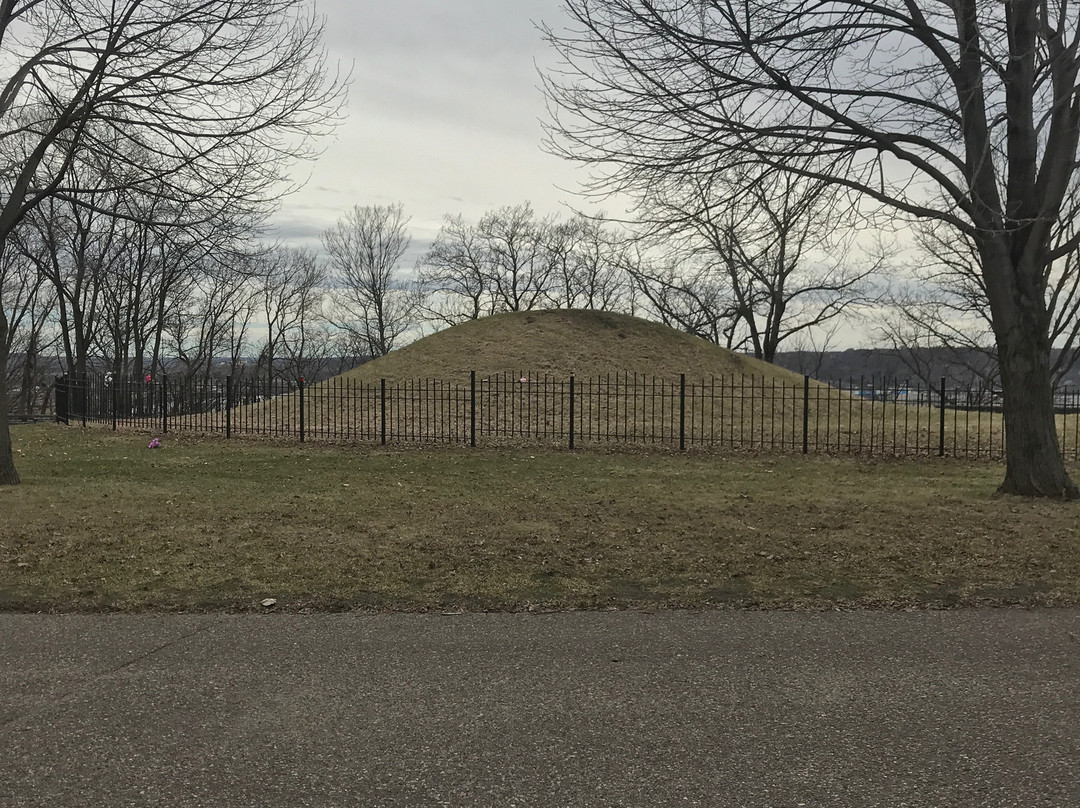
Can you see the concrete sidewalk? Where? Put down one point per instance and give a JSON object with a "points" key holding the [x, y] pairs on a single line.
{"points": [[967, 708]]}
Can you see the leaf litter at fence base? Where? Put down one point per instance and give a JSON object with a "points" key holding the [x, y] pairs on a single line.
{"points": [[102, 523]]}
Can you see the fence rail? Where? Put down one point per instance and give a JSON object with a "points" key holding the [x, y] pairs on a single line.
{"points": [[754, 413]]}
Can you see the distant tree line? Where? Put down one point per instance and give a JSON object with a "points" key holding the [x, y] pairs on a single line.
{"points": [[112, 288], [770, 272], [109, 288]]}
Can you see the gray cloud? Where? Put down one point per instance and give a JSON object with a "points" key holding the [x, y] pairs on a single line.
{"points": [[443, 114]]}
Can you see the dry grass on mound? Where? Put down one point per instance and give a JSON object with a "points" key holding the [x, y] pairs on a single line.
{"points": [[627, 371], [741, 412], [562, 343], [102, 522]]}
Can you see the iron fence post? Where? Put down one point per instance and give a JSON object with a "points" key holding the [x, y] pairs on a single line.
{"points": [[472, 408], [941, 421], [382, 411], [682, 412], [805, 414], [164, 403], [112, 395], [228, 407], [571, 411], [301, 392]]}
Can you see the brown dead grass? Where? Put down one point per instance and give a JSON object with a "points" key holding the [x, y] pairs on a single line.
{"points": [[103, 523], [562, 343]]}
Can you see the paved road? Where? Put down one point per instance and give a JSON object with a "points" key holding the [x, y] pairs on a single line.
{"points": [[968, 708]]}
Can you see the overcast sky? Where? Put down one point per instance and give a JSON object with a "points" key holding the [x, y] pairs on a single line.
{"points": [[443, 116]]}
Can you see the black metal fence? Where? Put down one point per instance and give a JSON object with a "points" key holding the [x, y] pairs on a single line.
{"points": [[735, 412]]}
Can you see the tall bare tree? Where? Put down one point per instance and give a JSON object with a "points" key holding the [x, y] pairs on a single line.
{"points": [[203, 99], [686, 295], [936, 318], [513, 260], [587, 261], [453, 275], [79, 247], [520, 273], [208, 318], [905, 102], [290, 290], [772, 240], [368, 297]]}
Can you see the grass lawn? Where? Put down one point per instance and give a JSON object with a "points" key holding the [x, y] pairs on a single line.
{"points": [[101, 522]]}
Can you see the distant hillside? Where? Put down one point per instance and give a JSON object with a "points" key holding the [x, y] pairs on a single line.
{"points": [[561, 343], [959, 367]]}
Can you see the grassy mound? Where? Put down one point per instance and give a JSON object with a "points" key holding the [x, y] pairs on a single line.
{"points": [[523, 360], [560, 343]]}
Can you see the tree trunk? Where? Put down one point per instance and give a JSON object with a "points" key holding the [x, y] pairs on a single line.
{"points": [[8, 474], [1034, 463]]}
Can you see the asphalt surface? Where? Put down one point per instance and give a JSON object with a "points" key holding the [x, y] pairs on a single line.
{"points": [[965, 708]]}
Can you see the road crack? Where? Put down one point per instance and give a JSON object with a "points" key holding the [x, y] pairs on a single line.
{"points": [[19, 716]]}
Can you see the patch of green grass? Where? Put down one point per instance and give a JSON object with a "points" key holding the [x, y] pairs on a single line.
{"points": [[102, 522]]}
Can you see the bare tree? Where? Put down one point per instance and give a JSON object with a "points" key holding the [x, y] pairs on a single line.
{"points": [[368, 298], [314, 356], [777, 242], [930, 324], [807, 350], [156, 270], [685, 295], [78, 247], [236, 337], [208, 319], [289, 282], [905, 102], [512, 260], [942, 306], [183, 99], [453, 276], [520, 273], [586, 261]]}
